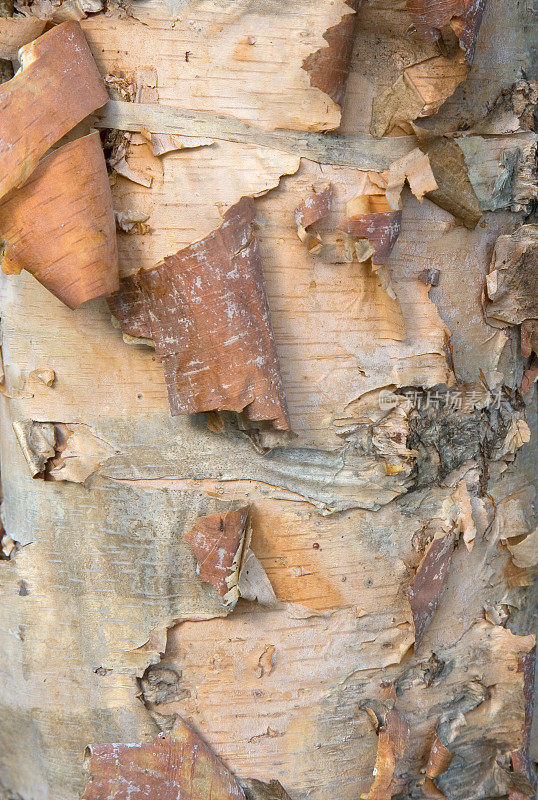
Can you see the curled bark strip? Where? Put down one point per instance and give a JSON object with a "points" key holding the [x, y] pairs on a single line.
{"points": [[58, 87], [14, 33], [429, 582], [381, 229], [168, 768], [314, 207], [60, 225], [391, 746], [439, 758], [209, 319], [217, 542], [328, 67], [463, 16]]}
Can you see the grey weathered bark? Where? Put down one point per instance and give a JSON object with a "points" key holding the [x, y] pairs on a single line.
{"points": [[342, 607]]}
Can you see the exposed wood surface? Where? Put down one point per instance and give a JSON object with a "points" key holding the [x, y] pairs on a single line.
{"points": [[382, 579]]}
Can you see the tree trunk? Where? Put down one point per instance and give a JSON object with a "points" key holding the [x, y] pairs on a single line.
{"points": [[323, 573]]}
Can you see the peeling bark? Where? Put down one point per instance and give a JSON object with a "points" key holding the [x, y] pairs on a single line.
{"points": [[59, 69], [338, 612], [69, 244], [202, 341]]}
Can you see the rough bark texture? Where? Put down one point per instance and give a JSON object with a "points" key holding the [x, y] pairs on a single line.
{"points": [[216, 606]]}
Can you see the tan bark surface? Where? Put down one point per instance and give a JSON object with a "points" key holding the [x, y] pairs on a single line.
{"points": [[378, 615]]}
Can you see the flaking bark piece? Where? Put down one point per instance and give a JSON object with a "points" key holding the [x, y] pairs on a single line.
{"points": [[57, 87], [217, 542], [380, 228], [328, 67], [455, 192], [38, 443], [429, 582], [209, 318], [392, 742], [253, 583], [313, 208], [60, 225], [416, 169], [14, 33], [129, 308], [463, 16], [512, 282], [171, 767], [439, 758]]}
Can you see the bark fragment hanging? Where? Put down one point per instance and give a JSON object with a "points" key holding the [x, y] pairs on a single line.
{"points": [[463, 17], [217, 541], [60, 225], [393, 736], [58, 86], [429, 582], [174, 766], [208, 316], [328, 67]]}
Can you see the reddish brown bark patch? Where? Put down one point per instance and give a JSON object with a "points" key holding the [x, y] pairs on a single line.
{"points": [[463, 16], [216, 541], [381, 229], [314, 207], [129, 308], [182, 767], [209, 319], [328, 67], [60, 225], [60, 87], [429, 582]]}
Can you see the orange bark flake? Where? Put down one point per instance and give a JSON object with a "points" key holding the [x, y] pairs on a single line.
{"points": [[57, 88], [60, 225]]}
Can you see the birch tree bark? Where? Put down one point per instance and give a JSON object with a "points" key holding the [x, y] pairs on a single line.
{"points": [[268, 511]]}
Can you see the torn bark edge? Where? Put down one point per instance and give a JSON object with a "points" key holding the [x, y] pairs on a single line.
{"points": [[328, 67]]}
